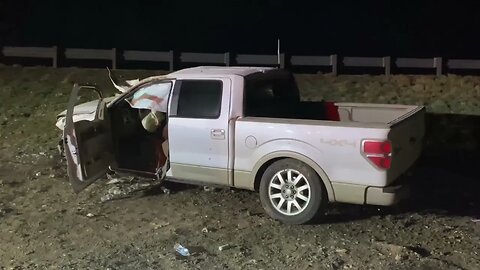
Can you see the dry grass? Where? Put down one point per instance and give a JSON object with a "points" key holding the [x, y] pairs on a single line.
{"points": [[443, 94]]}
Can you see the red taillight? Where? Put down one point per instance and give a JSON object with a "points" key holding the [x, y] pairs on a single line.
{"points": [[378, 152], [374, 147]]}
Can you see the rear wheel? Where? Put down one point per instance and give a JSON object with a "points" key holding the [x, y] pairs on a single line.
{"points": [[292, 192]]}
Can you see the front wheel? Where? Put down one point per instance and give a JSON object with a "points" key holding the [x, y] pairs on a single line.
{"points": [[292, 192]]}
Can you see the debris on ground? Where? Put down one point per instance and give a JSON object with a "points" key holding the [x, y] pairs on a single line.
{"points": [[181, 250], [165, 190], [90, 215], [341, 250], [114, 181], [126, 187], [224, 247], [205, 230], [157, 226], [209, 188]]}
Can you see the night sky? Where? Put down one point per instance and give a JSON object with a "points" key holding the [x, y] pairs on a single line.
{"points": [[355, 28]]}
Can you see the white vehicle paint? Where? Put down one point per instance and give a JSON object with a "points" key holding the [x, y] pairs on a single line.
{"points": [[255, 133]]}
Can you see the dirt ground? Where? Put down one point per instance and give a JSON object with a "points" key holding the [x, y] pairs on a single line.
{"points": [[43, 224]]}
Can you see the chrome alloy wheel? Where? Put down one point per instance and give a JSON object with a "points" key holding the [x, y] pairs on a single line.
{"points": [[289, 192]]}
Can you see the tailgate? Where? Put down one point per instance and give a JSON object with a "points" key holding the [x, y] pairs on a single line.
{"points": [[406, 134]]}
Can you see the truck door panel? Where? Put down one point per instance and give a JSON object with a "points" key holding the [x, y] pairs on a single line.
{"points": [[87, 143], [198, 130]]}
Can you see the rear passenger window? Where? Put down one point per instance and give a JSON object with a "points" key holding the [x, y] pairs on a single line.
{"points": [[199, 99]]}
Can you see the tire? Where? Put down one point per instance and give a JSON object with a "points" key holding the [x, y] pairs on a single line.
{"points": [[296, 200]]}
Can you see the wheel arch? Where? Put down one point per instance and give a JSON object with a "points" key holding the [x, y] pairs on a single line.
{"points": [[267, 160]]}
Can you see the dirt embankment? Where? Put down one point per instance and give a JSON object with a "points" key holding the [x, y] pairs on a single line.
{"points": [[43, 224]]}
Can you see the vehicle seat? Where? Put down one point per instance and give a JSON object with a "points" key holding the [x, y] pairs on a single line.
{"points": [[331, 111]]}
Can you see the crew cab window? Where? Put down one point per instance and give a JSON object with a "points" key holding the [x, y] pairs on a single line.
{"points": [[197, 99], [273, 94]]}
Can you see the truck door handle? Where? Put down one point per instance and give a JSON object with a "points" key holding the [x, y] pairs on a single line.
{"points": [[217, 134]]}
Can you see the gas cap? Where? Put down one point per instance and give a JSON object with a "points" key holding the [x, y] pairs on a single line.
{"points": [[251, 142]]}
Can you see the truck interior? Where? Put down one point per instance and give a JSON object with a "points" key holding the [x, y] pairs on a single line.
{"points": [[276, 95], [135, 129]]}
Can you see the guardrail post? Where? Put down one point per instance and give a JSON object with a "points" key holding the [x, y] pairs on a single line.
{"points": [[282, 60], [226, 59], [387, 64], [334, 64], [55, 56], [438, 64], [172, 61], [116, 58]]}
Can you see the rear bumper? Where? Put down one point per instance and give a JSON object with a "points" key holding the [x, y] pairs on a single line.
{"points": [[360, 194], [386, 195]]}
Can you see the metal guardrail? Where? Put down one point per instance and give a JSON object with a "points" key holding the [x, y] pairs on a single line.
{"points": [[32, 52], [116, 56], [463, 64]]}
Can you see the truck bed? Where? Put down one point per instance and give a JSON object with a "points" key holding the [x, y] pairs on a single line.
{"points": [[323, 110], [375, 113], [336, 145]]}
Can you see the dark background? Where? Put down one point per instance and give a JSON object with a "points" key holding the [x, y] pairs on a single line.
{"points": [[355, 28]]}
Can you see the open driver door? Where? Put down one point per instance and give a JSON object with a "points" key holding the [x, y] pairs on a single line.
{"points": [[88, 142]]}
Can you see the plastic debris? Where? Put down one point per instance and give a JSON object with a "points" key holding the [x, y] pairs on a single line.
{"points": [[90, 215], [116, 192], [181, 250], [114, 181], [476, 220], [107, 197], [224, 247], [205, 230], [208, 188], [165, 190], [157, 226]]}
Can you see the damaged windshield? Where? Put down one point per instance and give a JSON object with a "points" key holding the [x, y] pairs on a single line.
{"points": [[151, 96]]}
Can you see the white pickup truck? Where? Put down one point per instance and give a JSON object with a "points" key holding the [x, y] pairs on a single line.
{"points": [[246, 127]]}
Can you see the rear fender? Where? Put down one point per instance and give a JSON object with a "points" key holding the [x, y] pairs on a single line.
{"points": [[302, 158]]}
